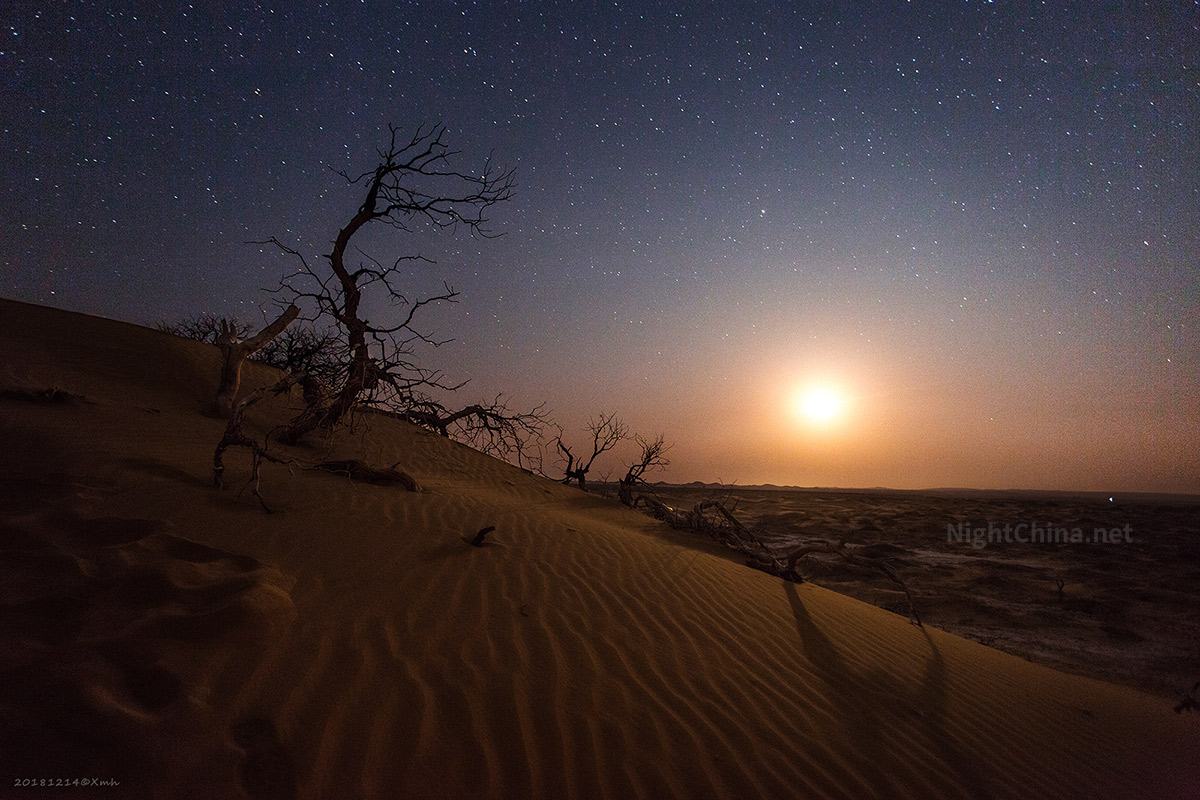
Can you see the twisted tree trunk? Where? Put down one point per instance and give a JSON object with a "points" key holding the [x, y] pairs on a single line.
{"points": [[236, 353]]}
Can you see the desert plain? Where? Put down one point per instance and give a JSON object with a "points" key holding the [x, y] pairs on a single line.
{"points": [[180, 641]]}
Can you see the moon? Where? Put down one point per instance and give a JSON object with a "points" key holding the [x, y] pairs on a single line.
{"points": [[821, 406]]}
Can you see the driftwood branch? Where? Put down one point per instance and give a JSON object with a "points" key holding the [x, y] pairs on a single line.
{"points": [[236, 352], [235, 437], [356, 470], [792, 560], [477, 539], [710, 517], [714, 519]]}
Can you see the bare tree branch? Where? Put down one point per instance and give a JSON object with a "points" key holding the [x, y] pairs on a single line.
{"points": [[652, 456], [235, 437], [235, 352], [711, 517], [491, 428], [207, 328], [413, 183], [607, 432]]}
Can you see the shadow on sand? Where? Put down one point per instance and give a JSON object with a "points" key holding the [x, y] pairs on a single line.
{"points": [[868, 704]]}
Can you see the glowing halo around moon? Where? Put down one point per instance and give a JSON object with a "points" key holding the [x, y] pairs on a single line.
{"points": [[820, 406]]}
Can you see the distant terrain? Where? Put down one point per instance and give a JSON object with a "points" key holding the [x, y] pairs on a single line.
{"points": [[1128, 611]]}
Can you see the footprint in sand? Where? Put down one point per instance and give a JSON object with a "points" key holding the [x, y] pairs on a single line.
{"points": [[89, 607]]}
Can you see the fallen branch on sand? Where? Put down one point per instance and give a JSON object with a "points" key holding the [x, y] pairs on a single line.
{"points": [[235, 353], [710, 517], [850, 557], [50, 396], [236, 437], [714, 519], [477, 540], [356, 470]]}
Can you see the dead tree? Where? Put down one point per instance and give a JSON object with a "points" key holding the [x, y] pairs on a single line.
{"points": [[234, 436], [302, 348], [357, 470], [790, 566], [607, 431], [235, 351], [711, 517], [206, 328], [653, 456], [412, 185], [490, 428]]}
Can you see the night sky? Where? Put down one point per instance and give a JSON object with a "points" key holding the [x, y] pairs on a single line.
{"points": [[976, 223]]}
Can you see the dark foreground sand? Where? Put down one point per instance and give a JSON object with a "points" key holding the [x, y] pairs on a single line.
{"points": [[178, 639]]}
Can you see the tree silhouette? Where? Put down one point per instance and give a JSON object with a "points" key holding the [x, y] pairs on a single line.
{"points": [[652, 456], [607, 431], [412, 185]]}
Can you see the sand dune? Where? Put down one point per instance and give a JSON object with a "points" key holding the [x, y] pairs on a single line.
{"points": [[1128, 613], [178, 639]]}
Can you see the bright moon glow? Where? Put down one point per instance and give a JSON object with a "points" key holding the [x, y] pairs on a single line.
{"points": [[821, 405]]}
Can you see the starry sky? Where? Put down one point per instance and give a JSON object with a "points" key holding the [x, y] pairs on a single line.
{"points": [[977, 222]]}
